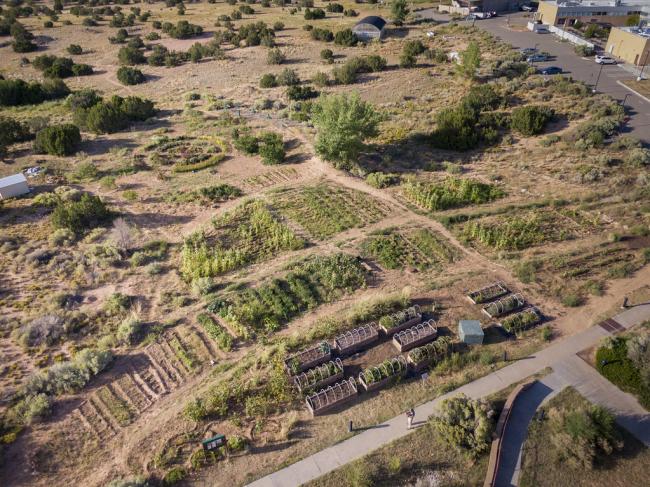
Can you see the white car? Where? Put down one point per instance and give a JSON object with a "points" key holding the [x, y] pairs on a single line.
{"points": [[601, 59]]}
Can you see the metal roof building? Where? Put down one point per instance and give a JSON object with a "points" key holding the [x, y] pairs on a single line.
{"points": [[13, 185]]}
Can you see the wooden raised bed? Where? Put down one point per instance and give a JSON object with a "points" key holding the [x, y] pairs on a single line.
{"points": [[354, 340], [320, 376], [308, 358], [383, 374], [521, 321], [427, 355], [400, 321], [415, 336], [504, 306], [331, 397], [488, 293]]}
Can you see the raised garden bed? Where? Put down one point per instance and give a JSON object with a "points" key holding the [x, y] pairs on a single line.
{"points": [[354, 340], [488, 293], [415, 336], [320, 376], [331, 397], [397, 322], [383, 374], [308, 358], [521, 321], [504, 306], [430, 354]]}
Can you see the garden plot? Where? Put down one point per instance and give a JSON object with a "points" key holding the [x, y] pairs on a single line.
{"points": [[271, 178], [168, 363], [357, 339], [430, 354], [332, 397], [264, 309], [186, 154], [521, 321], [389, 371], [325, 210], [415, 336], [488, 293], [527, 228], [249, 233], [504, 306], [450, 193], [409, 248], [391, 324], [308, 358], [320, 376]]}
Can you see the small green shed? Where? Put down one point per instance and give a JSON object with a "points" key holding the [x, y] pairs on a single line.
{"points": [[470, 332]]}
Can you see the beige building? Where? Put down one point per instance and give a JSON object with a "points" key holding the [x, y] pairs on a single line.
{"points": [[631, 44], [612, 12]]}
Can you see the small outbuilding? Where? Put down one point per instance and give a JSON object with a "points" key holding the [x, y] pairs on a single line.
{"points": [[470, 332], [369, 28], [13, 185]]}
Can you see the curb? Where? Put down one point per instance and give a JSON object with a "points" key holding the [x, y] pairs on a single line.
{"points": [[633, 91]]}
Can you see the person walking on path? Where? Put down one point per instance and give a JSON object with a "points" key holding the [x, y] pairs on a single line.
{"points": [[410, 414]]}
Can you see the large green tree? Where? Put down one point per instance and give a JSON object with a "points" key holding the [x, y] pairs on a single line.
{"points": [[343, 123]]}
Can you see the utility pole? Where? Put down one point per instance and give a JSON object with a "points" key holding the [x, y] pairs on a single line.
{"points": [[597, 78], [640, 77]]}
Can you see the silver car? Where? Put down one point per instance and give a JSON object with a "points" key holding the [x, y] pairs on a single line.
{"points": [[601, 59]]}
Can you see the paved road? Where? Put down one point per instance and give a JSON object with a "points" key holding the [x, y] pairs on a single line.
{"points": [[579, 68], [555, 355]]}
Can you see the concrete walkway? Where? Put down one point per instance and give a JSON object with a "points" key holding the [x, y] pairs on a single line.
{"points": [[559, 355]]}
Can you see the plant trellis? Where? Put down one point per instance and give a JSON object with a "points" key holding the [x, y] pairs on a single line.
{"points": [[400, 320], [504, 306], [308, 358], [331, 396], [319, 376], [415, 336], [488, 293], [356, 339]]}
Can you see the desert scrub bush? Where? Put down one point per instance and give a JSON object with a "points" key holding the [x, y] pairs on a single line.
{"points": [[174, 476], [275, 56], [268, 80], [130, 76], [585, 436], [584, 51], [382, 180], [60, 67], [58, 140], [80, 216], [31, 408], [318, 280], [14, 92], [69, 376], [74, 49], [247, 143], [104, 117], [271, 148], [130, 55], [43, 331], [246, 234], [572, 300], [129, 330], [288, 77], [327, 55], [530, 119], [346, 38], [465, 424], [117, 304], [130, 482], [236, 443], [451, 193], [297, 92], [215, 331], [12, 131], [638, 157], [323, 35], [343, 122], [182, 30]]}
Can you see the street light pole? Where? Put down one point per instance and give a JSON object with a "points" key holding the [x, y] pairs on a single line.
{"points": [[643, 67], [597, 78], [624, 100]]}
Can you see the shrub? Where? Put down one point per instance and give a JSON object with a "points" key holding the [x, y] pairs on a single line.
{"points": [[79, 216], [288, 77], [407, 61], [382, 180], [346, 38], [130, 55], [321, 79], [173, 476], [129, 330], [413, 48], [278, 26], [314, 14], [268, 80], [530, 119], [638, 157], [182, 30], [584, 51], [15, 92], [12, 131], [465, 424], [335, 8], [82, 69], [130, 76], [113, 115], [236, 443], [327, 55], [271, 148], [74, 49], [572, 300], [297, 92], [275, 56], [248, 144], [324, 35], [58, 140]]}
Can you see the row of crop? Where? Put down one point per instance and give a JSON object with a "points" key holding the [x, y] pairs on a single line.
{"points": [[244, 235], [318, 280], [215, 331], [450, 193]]}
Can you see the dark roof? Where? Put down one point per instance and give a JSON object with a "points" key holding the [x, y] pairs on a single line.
{"points": [[373, 20]]}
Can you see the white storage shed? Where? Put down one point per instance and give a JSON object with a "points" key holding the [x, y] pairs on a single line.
{"points": [[13, 185]]}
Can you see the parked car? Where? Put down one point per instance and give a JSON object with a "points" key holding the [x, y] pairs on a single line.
{"points": [[528, 8], [604, 59], [551, 70], [528, 51], [537, 58]]}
